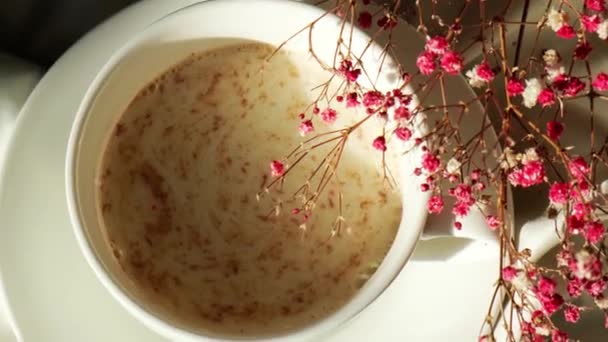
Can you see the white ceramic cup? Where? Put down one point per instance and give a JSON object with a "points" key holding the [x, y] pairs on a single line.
{"points": [[197, 28]]}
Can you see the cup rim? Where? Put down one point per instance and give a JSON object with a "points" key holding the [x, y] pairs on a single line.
{"points": [[378, 283]]}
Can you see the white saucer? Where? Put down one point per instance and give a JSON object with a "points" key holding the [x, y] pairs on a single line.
{"points": [[55, 297]]}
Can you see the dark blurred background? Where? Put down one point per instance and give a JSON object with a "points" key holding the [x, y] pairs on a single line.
{"points": [[41, 30]]}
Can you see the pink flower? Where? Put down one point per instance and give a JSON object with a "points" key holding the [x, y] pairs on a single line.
{"points": [[451, 62], [601, 82], [546, 286], [578, 168], [572, 314], [591, 22], [552, 303], [484, 72], [435, 204], [352, 100], [582, 50], [509, 273], [580, 210], [430, 162], [403, 133], [566, 31], [531, 174], [574, 287], [305, 127], [365, 19], [558, 336], [277, 168], [492, 222], [595, 5], [329, 115], [546, 97], [594, 232], [458, 225], [514, 87], [346, 68], [426, 62], [437, 45], [379, 143], [595, 288], [559, 193], [461, 208], [402, 113], [575, 224], [555, 129], [462, 192], [574, 86], [373, 98]]}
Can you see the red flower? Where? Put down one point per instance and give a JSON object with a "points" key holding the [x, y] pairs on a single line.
{"points": [[574, 86], [305, 127], [373, 98], [582, 50], [426, 62], [379, 143], [545, 287], [437, 45], [435, 204], [552, 303], [595, 5], [555, 129], [485, 72], [329, 115], [492, 222], [575, 287], [559, 193], [558, 336], [546, 97], [452, 62], [352, 100], [403, 133], [402, 113], [591, 22], [601, 82], [365, 19], [430, 162], [509, 273], [594, 232], [531, 174], [575, 224], [578, 168], [277, 168], [514, 87], [566, 31]]}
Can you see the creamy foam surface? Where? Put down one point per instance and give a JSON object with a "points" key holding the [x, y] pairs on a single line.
{"points": [[177, 186]]}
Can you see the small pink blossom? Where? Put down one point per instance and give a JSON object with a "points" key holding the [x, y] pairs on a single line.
{"points": [[492, 222], [403, 133], [485, 72], [596, 288], [329, 115], [352, 100], [555, 129], [546, 97], [402, 113], [594, 232], [552, 303], [437, 45], [509, 273], [365, 19], [580, 210], [430, 162], [452, 62], [305, 127], [461, 209], [575, 224], [578, 168], [531, 174], [277, 168], [574, 287], [600, 83], [572, 314], [426, 62], [566, 31], [558, 336], [379, 143], [458, 225], [546, 286], [346, 69], [373, 98], [574, 86], [462, 192], [591, 22], [435, 204], [514, 87], [559, 193], [596, 5]]}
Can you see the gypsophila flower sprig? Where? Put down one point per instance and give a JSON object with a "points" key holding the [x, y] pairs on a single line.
{"points": [[525, 91]]}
